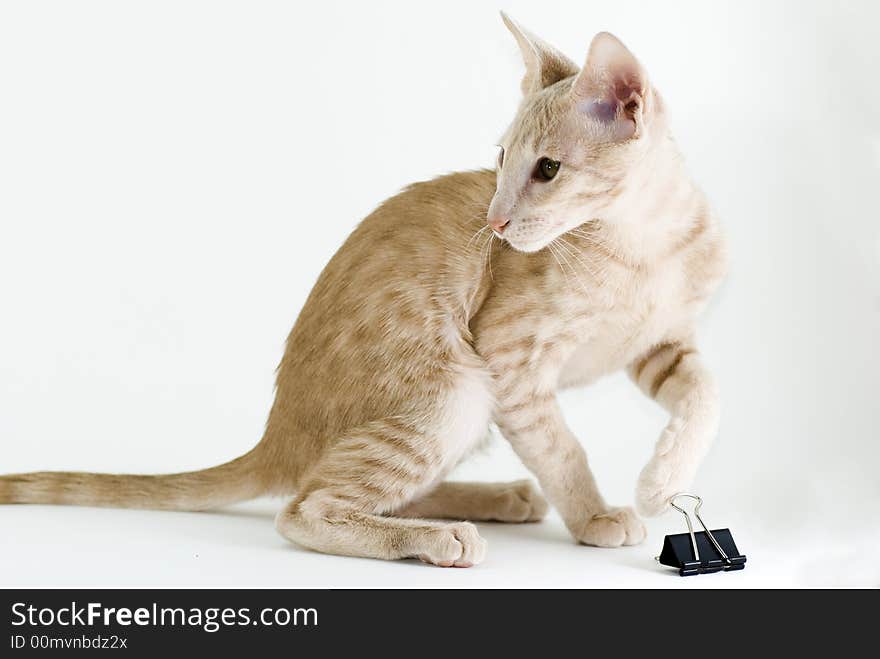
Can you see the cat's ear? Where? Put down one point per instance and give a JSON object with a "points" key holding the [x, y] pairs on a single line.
{"points": [[613, 88], [544, 64]]}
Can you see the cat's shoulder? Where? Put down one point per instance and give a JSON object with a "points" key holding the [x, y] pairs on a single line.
{"points": [[433, 207]]}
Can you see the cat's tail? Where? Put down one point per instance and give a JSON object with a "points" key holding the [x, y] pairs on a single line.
{"points": [[195, 490]]}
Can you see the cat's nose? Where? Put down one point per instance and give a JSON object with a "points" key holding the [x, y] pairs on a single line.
{"points": [[498, 224]]}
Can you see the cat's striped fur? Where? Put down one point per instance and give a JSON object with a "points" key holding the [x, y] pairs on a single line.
{"points": [[425, 327]]}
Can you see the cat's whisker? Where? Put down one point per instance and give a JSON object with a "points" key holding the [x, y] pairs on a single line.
{"points": [[579, 254], [605, 246], [602, 258], [589, 238], [552, 250], [564, 253], [571, 267], [484, 253], [556, 254], [489, 255], [475, 236], [570, 249]]}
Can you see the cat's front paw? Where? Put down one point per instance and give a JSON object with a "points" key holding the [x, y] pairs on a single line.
{"points": [[614, 528], [660, 480], [673, 467]]}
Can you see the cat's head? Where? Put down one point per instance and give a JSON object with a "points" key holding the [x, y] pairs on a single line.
{"points": [[577, 135]]}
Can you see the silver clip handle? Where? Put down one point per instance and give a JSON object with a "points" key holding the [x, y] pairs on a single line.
{"points": [[690, 526]]}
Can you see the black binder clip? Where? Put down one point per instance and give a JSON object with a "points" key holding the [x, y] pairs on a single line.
{"points": [[701, 552]]}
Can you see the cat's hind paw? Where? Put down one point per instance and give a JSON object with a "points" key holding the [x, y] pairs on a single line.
{"points": [[519, 502], [453, 545]]}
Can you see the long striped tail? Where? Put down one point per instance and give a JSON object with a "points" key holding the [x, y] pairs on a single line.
{"points": [[228, 483]]}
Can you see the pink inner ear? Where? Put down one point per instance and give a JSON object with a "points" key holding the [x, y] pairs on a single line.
{"points": [[627, 90], [617, 113], [611, 86], [603, 110], [618, 106]]}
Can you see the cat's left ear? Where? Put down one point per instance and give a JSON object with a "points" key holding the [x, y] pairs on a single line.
{"points": [[544, 64], [613, 88]]}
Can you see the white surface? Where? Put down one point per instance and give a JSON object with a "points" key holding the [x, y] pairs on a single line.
{"points": [[174, 175], [111, 548]]}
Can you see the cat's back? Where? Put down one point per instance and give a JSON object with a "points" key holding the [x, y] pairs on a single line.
{"points": [[413, 244], [429, 216], [390, 306], [381, 329]]}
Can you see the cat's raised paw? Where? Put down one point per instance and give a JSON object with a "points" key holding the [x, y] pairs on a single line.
{"points": [[615, 528], [653, 502], [657, 484], [453, 545]]}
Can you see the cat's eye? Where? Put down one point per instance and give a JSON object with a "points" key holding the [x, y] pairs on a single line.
{"points": [[547, 169]]}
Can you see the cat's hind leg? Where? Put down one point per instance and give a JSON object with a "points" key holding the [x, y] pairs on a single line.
{"points": [[325, 523], [519, 501], [345, 502]]}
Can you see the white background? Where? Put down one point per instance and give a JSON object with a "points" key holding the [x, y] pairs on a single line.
{"points": [[174, 175]]}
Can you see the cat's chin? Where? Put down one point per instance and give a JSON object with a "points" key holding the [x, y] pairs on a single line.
{"points": [[528, 247]]}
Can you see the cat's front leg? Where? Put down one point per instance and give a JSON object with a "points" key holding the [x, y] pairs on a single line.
{"points": [[534, 425], [673, 374]]}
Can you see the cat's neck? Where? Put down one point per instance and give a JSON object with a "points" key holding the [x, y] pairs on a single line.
{"points": [[656, 209]]}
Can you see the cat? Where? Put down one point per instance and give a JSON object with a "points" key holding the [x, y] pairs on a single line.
{"points": [[470, 300]]}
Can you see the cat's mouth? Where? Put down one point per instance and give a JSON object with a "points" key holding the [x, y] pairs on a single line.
{"points": [[526, 245], [530, 241], [530, 234]]}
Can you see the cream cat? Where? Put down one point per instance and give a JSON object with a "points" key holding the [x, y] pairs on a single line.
{"points": [[472, 299]]}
